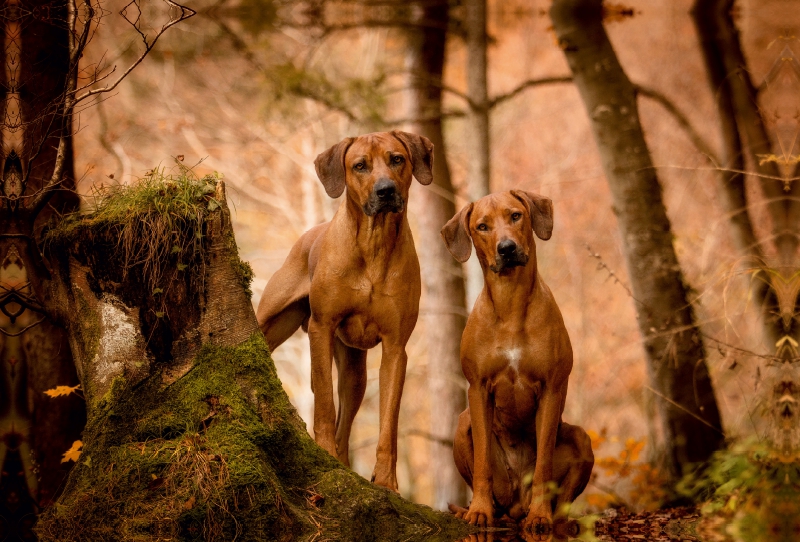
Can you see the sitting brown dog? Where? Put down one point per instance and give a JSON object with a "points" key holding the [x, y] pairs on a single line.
{"points": [[516, 355], [354, 282]]}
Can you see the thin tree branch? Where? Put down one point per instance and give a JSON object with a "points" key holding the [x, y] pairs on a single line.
{"points": [[530, 83], [186, 13], [240, 45], [77, 45], [680, 118]]}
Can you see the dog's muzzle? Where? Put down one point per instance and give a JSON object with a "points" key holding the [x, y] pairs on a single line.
{"points": [[509, 255], [385, 198]]}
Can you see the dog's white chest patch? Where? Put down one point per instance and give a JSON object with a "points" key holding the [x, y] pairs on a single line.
{"points": [[513, 356]]}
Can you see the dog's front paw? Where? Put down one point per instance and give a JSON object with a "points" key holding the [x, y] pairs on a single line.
{"points": [[480, 513]]}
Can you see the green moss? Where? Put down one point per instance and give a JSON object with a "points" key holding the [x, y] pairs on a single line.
{"points": [[155, 224], [218, 454]]}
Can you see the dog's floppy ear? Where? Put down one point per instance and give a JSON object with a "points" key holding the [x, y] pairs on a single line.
{"points": [[456, 234], [541, 211], [330, 167], [421, 150]]}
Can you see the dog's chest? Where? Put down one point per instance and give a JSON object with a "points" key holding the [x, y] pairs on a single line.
{"points": [[359, 331], [369, 310]]}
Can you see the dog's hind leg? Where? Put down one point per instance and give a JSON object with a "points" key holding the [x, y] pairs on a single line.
{"points": [[572, 462], [284, 304], [463, 452], [283, 325], [351, 365]]}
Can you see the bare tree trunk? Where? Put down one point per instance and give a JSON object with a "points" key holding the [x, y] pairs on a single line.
{"points": [[678, 374], [190, 434], [443, 314], [744, 97], [35, 430], [479, 160], [714, 37], [741, 117]]}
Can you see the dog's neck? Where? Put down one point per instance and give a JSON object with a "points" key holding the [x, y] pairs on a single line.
{"points": [[376, 236], [509, 291]]}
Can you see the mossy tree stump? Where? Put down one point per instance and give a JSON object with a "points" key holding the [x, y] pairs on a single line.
{"points": [[190, 435]]}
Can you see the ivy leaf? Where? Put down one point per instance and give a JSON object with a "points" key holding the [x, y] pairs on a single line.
{"points": [[60, 391], [159, 314], [73, 453], [157, 291], [175, 249], [182, 266], [213, 204]]}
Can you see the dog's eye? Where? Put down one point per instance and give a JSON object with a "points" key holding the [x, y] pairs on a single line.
{"points": [[359, 166], [397, 159], [482, 227], [516, 216]]}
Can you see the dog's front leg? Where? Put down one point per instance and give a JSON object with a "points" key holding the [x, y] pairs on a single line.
{"points": [[540, 515], [392, 379], [481, 409], [321, 337]]}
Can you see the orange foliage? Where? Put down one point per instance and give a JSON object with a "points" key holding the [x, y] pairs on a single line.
{"points": [[73, 453], [60, 391], [642, 484]]}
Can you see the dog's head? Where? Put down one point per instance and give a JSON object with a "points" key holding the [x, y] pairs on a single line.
{"points": [[501, 227], [376, 169]]}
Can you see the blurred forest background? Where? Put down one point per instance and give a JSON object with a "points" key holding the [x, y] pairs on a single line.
{"points": [[255, 89]]}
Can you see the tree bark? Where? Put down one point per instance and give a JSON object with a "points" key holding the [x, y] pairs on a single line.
{"points": [[677, 370], [36, 430], [443, 315], [786, 232], [714, 36], [741, 118], [190, 434], [479, 161]]}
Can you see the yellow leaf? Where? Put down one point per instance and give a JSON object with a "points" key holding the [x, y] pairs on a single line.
{"points": [[597, 438], [636, 449], [59, 391], [73, 453]]}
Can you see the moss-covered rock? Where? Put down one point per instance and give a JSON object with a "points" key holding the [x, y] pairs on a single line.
{"points": [[217, 455]]}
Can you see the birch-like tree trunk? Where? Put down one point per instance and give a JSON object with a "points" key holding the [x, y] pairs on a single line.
{"points": [[443, 314], [478, 137], [689, 417]]}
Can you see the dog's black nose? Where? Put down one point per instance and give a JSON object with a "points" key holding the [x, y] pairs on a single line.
{"points": [[385, 188], [506, 247]]}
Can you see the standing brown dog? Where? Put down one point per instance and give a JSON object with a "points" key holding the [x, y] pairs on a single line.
{"points": [[354, 282], [516, 355]]}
